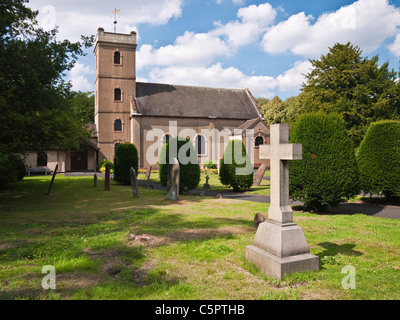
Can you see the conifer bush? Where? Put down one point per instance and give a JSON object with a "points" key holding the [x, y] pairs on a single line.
{"points": [[186, 155], [235, 167], [379, 159], [126, 157], [328, 172]]}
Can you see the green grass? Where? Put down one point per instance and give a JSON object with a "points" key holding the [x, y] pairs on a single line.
{"points": [[195, 248]]}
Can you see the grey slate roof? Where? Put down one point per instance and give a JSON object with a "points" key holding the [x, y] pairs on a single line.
{"points": [[154, 99]]}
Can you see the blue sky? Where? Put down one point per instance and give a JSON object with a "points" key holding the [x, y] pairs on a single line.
{"points": [[260, 45]]}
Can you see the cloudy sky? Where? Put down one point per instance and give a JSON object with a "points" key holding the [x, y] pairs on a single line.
{"points": [[263, 46]]}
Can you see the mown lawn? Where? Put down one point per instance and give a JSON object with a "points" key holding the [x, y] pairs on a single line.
{"points": [[190, 249]]}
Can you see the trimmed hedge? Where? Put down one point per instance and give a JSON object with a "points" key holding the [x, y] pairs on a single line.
{"points": [[328, 172], [189, 172], [379, 159], [126, 157], [229, 171]]}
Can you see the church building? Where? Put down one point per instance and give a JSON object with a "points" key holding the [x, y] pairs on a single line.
{"points": [[148, 114]]}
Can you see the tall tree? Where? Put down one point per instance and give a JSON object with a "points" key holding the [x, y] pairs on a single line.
{"points": [[35, 112], [356, 87]]}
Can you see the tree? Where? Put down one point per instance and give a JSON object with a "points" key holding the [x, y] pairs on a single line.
{"points": [[379, 159], [126, 157], [35, 112], [353, 86], [83, 106], [235, 167], [328, 172], [185, 153]]}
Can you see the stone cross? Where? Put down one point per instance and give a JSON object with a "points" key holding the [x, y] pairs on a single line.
{"points": [[280, 246], [173, 180], [206, 185], [279, 151]]}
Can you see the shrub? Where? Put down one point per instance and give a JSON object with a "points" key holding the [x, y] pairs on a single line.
{"points": [[126, 157], [102, 166], [210, 165], [328, 171], [189, 167], [234, 161], [12, 168], [379, 159]]}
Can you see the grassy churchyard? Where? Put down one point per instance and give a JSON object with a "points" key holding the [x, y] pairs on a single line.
{"points": [[108, 245]]}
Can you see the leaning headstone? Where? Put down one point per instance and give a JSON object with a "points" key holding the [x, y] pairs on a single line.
{"points": [[206, 185], [148, 173], [280, 246], [134, 183], [259, 174], [173, 180], [52, 180], [107, 178]]}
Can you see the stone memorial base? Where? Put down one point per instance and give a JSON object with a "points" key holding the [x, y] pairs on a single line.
{"points": [[280, 249]]}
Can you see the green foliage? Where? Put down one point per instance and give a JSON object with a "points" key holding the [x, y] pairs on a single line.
{"points": [[328, 171], [188, 163], [83, 106], [12, 168], [210, 165], [126, 157], [102, 166], [353, 86], [235, 167], [379, 159]]}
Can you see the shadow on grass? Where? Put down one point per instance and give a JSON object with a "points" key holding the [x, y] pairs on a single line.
{"points": [[331, 251]]}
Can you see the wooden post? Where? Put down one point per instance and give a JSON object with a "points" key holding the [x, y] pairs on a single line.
{"points": [[95, 180], [52, 180], [107, 182]]}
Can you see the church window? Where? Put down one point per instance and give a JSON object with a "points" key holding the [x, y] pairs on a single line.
{"points": [[117, 94], [200, 144], [117, 57], [118, 125], [259, 141], [41, 159]]}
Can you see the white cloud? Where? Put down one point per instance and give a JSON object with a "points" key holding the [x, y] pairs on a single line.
{"points": [[366, 23], [394, 48], [73, 23], [292, 79], [79, 77], [200, 49]]}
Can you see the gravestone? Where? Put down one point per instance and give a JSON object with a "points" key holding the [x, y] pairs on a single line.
{"points": [[134, 183], [173, 180], [206, 185], [259, 174], [280, 246], [107, 177], [148, 172], [95, 180]]}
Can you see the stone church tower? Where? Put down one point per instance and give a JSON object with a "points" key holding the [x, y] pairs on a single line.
{"points": [[115, 89]]}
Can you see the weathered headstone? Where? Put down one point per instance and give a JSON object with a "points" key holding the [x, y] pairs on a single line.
{"points": [[280, 246], [173, 180], [148, 172], [107, 177], [134, 183], [206, 185], [95, 180], [259, 174], [52, 180]]}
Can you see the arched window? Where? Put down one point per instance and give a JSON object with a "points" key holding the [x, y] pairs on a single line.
{"points": [[117, 94], [118, 125], [200, 145], [41, 159], [117, 57], [166, 139], [259, 141]]}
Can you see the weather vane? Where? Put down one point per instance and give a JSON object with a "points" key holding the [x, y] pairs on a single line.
{"points": [[115, 19]]}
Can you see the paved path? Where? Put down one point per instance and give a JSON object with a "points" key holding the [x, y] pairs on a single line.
{"points": [[392, 212]]}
